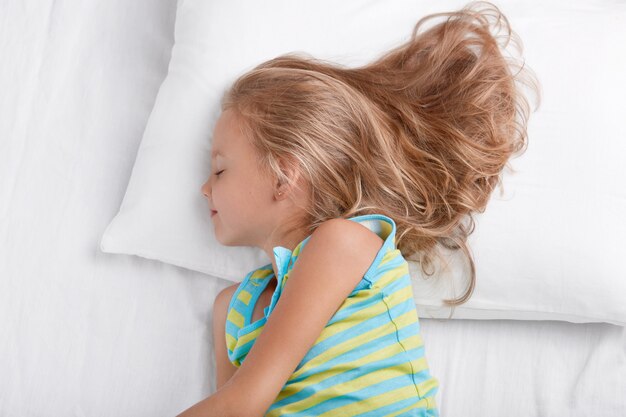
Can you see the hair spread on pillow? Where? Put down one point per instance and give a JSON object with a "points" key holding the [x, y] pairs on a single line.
{"points": [[421, 135]]}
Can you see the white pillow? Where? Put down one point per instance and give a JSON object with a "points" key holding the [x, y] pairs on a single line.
{"points": [[549, 249]]}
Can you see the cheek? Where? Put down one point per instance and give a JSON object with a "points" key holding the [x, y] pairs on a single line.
{"points": [[228, 194], [218, 192], [259, 191]]}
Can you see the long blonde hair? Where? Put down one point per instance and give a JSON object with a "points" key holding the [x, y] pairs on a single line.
{"points": [[421, 134]]}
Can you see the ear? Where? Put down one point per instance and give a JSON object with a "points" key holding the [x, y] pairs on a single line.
{"points": [[290, 169]]}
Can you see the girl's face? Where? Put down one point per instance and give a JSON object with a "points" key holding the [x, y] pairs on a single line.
{"points": [[240, 199]]}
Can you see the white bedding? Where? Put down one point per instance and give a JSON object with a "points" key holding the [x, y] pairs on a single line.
{"points": [[85, 333]]}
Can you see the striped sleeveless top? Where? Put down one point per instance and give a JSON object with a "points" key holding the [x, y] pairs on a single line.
{"points": [[368, 361]]}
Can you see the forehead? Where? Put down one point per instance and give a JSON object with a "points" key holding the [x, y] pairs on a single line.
{"points": [[227, 137]]}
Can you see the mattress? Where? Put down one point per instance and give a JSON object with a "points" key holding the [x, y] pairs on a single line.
{"points": [[85, 333]]}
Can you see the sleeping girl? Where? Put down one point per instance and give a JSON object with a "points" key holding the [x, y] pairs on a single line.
{"points": [[341, 175]]}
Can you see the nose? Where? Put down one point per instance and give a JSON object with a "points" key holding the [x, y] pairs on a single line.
{"points": [[206, 188]]}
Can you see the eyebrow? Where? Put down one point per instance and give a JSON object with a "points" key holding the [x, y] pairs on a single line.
{"points": [[215, 153]]}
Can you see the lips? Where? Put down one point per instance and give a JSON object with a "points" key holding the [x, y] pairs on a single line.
{"points": [[213, 212]]}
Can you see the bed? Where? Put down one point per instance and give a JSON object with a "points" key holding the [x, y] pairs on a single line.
{"points": [[86, 333]]}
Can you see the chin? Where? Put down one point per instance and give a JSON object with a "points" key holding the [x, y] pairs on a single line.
{"points": [[221, 241]]}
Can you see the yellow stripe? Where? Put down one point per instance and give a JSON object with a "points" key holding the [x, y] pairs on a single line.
{"points": [[386, 229], [431, 402], [390, 255], [297, 250], [251, 335], [261, 273], [235, 317], [424, 387], [231, 342], [244, 296], [390, 276], [381, 400]]}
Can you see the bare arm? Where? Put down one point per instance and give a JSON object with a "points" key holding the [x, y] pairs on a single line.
{"points": [[224, 368], [221, 403]]}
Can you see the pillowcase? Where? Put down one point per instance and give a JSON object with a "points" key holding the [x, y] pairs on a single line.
{"points": [[548, 248]]}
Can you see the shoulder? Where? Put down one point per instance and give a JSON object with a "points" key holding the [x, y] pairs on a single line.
{"points": [[344, 234], [340, 247], [222, 300]]}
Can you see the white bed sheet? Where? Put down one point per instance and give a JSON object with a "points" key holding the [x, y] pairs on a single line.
{"points": [[85, 333]]}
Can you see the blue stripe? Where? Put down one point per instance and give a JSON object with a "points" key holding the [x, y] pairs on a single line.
{"points": [[345, 399], [399, 405]]}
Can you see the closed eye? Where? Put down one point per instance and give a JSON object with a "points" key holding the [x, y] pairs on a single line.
{"points": [[219, 172]]}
